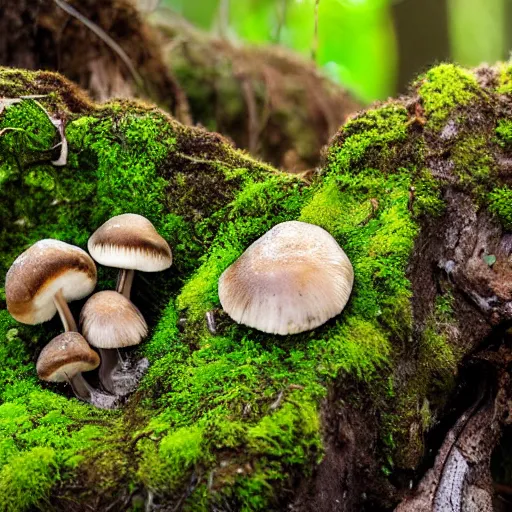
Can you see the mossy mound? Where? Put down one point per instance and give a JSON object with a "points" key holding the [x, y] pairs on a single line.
{"points": [[240, 419]]}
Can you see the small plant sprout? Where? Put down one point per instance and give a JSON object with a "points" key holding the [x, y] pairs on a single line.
{"points": [[292, 279]]}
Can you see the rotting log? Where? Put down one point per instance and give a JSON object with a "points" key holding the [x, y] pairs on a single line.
{"points": [[268, 101], [346, 417]]}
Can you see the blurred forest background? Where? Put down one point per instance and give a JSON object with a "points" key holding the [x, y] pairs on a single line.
{"points": [[373, 48], [249, 69]]}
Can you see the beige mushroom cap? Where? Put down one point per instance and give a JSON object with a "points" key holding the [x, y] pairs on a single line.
{"points": [[292, 279], [109, 320], [40, 272], [130, 241], [65, 356]]}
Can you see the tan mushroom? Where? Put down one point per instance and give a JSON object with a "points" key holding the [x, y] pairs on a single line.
{"points": [[292, 279], [110, 321], [47, 276], [64, 359], [129, 242]]}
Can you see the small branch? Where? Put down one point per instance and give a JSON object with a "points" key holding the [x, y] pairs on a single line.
{"points": [[278, 401], [210, 322]]}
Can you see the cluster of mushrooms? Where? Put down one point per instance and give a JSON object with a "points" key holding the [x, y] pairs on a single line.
{"points": [[292, 279], [51, 273]]}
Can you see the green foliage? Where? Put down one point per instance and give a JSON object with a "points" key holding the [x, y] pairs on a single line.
{"points": [[444, 88]]}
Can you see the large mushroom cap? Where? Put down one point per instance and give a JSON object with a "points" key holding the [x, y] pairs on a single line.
{"points": [[40, 272], [292, 279], [65, 356], [130, 241], [109, 320]]}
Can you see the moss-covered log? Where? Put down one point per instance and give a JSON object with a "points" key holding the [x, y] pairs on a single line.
{"points": [[268, 101], [416, 192]]}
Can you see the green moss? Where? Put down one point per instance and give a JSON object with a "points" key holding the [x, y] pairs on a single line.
{"points": [[428, 196], [504, 132], [505, 79], [27, 480], [168, 466], [377, 131], [443, 89], [500, 203], [473, 161]]}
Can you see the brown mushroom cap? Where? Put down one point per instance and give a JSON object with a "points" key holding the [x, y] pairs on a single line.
{"points": [[292, 279], [109, 320], [66, 356], [130, 241], [40, 272]]}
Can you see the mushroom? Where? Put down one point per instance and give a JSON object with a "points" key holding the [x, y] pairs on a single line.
{"points": [[110, 321], [39, 283], [64, 359], [292, 279], [129, 242], [44, 278]]}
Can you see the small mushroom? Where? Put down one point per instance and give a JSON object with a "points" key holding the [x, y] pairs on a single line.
{"points": [[129, 242], [44, 278], [292, 279], [64, 359], [110, 321]]}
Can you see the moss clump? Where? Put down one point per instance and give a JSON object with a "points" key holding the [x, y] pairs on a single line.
{"points": [[474, 163], [500, 203], [504, 133], [443, 89], [505, 79]]}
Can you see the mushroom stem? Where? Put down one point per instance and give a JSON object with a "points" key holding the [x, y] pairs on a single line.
{"points": [[64, 312], [110, 360], [82, 389], [85, 392], [125, 281]]}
